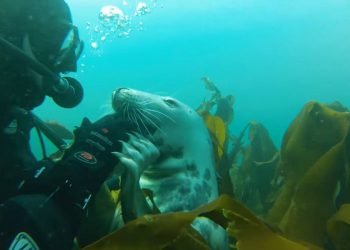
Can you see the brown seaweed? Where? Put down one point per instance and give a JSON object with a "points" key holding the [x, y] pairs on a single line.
{"points": [[257, 169], [338, 228], [218, 131], [313, 202], [312, 133], [171, 230], [218, 126], [313, 158]]}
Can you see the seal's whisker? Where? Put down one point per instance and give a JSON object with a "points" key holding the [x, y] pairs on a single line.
{"points": [[125, 113], [153, 115], [132, 116], [161, 113], [135, 119], [152, 122], [124, 108], [137, 124], [145, 102], [144, 124], [128, 112]]}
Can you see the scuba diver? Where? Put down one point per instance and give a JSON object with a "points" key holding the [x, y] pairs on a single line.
{"points": [[42, 202]]}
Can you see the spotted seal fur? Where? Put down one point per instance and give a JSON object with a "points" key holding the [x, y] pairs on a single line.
{"points": [[173, 158]]}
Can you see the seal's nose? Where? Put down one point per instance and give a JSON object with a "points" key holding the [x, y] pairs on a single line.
{"points": [[118, 92], [117, 96], [121, 90]]}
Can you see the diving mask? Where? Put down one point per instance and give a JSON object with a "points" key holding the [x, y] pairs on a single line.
{"points": [[70, 51]]}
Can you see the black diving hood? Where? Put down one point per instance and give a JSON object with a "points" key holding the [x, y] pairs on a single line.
{"points": [[67, 92]]}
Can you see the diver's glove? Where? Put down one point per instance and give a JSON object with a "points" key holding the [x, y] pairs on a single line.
{"points": [[87, 163], [93, 145], [90, 159]]}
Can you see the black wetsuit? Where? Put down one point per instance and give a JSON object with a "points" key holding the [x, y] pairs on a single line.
{"points": [[42, 201], [28, 211]]}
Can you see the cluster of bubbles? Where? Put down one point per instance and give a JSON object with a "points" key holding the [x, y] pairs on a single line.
{"points": [[118, 21]]}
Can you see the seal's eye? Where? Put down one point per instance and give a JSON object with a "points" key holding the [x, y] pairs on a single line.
{"points": [[171, 103]]}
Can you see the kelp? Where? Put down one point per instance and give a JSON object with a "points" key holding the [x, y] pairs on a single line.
{"points": [[218, 131], [261, 143], [338, 228], [257, 169], [149, 232], [225, 108], [217, 123], [237, 145], [224, 104], [313, 158], [171, 230], [313, 203], [338, 106], [312, 133], [253, 236], [209, 85]]}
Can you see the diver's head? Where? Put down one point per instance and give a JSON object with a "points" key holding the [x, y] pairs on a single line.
{"points": [[38, 42]]}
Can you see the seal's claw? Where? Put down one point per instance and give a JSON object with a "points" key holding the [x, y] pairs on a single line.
{"points": [[131, 136], [118, 155], [127, 148], [140, 136], [126, 160], [130, 164], [130, 148]]}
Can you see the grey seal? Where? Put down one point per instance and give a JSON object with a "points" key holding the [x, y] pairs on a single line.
{"points": [[171, 155]]}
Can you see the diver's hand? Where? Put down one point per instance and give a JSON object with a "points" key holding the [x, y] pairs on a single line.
{"points": [[92, 150], [78, 176], [102, 136]]}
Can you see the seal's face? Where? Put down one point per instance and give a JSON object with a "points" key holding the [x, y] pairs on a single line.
{"points": [[150, 112]]}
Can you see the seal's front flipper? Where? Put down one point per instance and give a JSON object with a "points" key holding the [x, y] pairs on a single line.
{"points": [[136, 156]]}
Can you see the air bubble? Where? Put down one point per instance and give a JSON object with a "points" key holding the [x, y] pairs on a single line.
{"points": [[142, 9], [94, 45]]}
